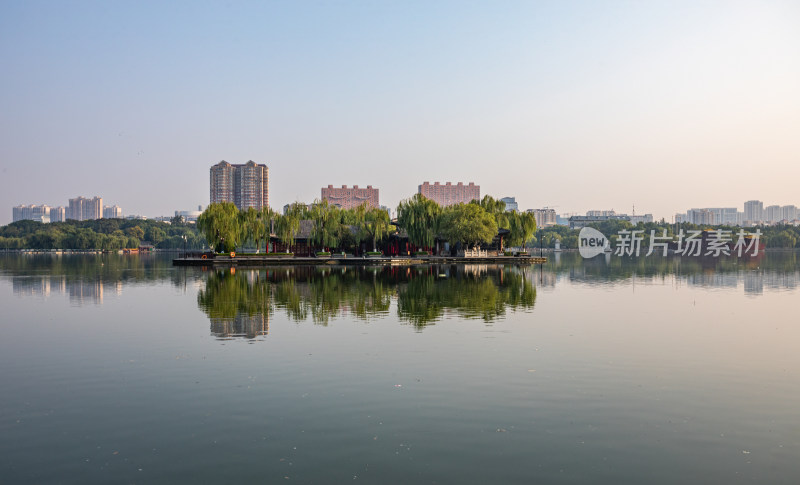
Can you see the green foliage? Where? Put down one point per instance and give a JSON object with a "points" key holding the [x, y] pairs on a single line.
{"points": [[784, 239], [155, 235], [135, 231], [496, 208], [221, 225], [374, 224], [268, 219], [469, 224], [105, 234], [522, 227], [288, 225], [419, 217], [252, 227], [328, 227]]}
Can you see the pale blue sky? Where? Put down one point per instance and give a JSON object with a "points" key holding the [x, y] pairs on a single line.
{"points": [[577, 105]]}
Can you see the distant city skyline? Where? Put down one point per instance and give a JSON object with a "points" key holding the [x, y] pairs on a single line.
{"points": [[571, 105]]}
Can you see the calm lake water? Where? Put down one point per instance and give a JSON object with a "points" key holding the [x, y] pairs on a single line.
{"points": [[125, 369]]}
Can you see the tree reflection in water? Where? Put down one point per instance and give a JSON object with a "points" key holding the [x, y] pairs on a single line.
{"points": [[238, 304], [469, 291], [241, 303]]}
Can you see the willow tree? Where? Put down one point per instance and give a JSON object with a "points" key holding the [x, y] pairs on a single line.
{"points": [[469, 224], [252, 226], [419, 216], [375, 224], [267, 217], [522, 226], [288, 225], [327, 230], [220, 224]]}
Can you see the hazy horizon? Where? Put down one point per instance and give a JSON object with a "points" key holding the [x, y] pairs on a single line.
{"points": [[572, 105]]}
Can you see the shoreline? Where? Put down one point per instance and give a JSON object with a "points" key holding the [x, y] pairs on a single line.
{"points": [[259, 261]]}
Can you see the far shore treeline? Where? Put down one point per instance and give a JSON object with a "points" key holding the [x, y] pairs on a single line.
{"points": [[427, 225]]}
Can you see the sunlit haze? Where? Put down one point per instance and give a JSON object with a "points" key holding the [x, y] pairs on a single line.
{"points": [[572, 105]]}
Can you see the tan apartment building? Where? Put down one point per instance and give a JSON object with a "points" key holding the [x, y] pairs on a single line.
{"points": [[449, 194], [350, 198]]}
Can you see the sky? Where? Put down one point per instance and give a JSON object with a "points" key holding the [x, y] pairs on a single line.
{"points": [[573, 105]]}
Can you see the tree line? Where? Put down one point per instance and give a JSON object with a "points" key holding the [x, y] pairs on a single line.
{"points": [[227, 228], [426, 223], [105, 234]]}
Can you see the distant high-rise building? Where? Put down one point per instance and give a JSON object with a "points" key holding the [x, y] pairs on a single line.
{"points": [[83, 209], [350, 198], [58, 214], [112, 212], [700, 216], [788, 213], [725, 216], [31, 212], [511, 204], [449, 194], [222, 178], [720, 216], [753, 211], [544, 217], [246, 185], [772, 213]]}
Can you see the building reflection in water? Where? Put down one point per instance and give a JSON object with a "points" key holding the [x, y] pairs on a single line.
{"points": [[79, 291], [84, 278], [240, 325]]}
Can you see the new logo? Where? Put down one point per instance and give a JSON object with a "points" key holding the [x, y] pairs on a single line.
{"points": [[591, 242]]}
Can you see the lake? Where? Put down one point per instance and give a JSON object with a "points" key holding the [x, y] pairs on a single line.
{"points": [[126, 369]]}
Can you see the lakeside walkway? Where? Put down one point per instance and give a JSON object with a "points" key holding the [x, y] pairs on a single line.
{"points": [[260, 260]]}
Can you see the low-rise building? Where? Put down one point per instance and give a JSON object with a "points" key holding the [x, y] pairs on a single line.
{"points": [[351, 197], [511, 204], [112, 212], [643, 218], [579, 222], [448, 194]]}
